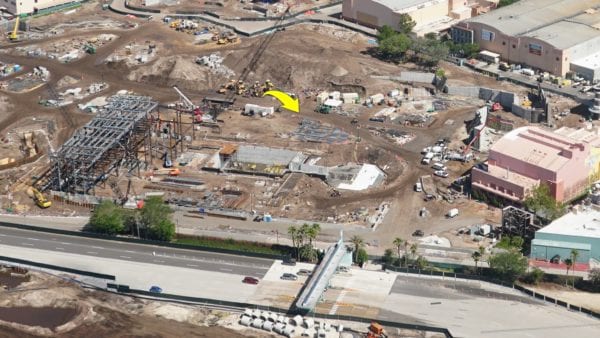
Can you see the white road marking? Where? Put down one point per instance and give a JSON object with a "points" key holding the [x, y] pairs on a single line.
{"points": [[33, 239], [59, 248], [98, 247], [3, 235], [28, 244], [92, 252], [157, 261], [129, 251], [126, 257], [225, 269], [192, 265], [65, 243]]}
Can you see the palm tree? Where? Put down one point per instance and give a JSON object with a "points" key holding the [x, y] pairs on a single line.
{"points": [[313, 232], [569, 263], [413, 250], [476, 256], [398, 244], [574, 256], [293, 232], [358, 243], [304, 233]]}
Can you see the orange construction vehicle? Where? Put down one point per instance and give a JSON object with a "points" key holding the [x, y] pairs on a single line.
{"points": [[375, 331]]}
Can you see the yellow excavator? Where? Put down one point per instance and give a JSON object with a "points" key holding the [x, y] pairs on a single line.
{"points": [[13, 36], [40, 199]]}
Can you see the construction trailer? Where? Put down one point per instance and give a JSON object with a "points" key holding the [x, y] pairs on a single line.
{"points": [[113, 139]]}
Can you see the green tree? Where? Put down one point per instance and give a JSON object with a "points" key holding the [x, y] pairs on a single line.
{"points": [[107, 218], [395, 46], [517, 242], [541, 202], [361, 257], [398, 244], [413, 250], [307, 253], [164, 230], [388, 257], [574, 255], [156, 219], [429, 52], [385, 32], [534, 276], [406, 23], [594, 276], [508, 265], [294, 233], [569, 264], [476, 255], [312, 232], [421, 262], [503, 3], [358, 243]]}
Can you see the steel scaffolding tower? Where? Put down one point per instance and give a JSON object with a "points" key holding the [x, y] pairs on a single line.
{"points": [[111, 140]]}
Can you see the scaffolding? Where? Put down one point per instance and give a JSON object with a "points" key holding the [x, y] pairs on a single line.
{"points": [[111, 140]]}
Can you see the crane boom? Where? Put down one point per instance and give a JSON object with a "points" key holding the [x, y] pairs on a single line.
{"points": [[259, 52], [185, 99], [13, 36], [217, 104]]}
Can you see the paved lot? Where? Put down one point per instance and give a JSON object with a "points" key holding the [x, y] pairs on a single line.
{"points": [[467, 308]]}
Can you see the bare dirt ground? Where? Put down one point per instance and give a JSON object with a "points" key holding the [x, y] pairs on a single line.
{"points": [[303, 59], [567, 294], [53, 307]]}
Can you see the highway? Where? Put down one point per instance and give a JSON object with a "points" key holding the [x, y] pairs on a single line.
{"points": [[131, 252]]}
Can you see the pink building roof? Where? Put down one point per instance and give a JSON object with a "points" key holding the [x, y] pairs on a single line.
{"points": [[542, 148]]}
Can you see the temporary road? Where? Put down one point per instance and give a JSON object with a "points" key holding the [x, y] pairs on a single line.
{"points": [[133, 252]]}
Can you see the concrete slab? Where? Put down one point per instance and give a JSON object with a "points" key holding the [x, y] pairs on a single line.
{"points": [[274, 291]]}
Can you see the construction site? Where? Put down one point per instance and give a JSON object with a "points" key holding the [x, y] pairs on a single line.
{"points": [[140, 107]]}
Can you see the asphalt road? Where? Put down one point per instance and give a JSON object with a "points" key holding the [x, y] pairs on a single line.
{"points": [[189, 259]]}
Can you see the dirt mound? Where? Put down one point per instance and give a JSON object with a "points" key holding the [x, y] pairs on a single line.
{"points": [[177, 70], [339, 71]]}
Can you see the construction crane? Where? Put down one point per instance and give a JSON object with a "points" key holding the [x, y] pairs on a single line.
{"points": [[217, 105], [13, 36], [40, 199]]}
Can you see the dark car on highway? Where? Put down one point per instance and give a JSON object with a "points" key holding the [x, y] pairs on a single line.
{"points": [[155, 289], [418, 233], [250, 280]]}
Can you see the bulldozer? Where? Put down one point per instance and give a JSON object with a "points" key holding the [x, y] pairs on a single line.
{"points": [[40, 199]]}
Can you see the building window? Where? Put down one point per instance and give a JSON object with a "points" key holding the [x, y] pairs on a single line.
{"points": [[503, 43], [514, 46], [35, 1], [535, 49], [557, 58], [487, 35]]}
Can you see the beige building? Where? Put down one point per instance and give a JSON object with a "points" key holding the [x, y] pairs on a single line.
{"points": [[429, 15], [17, 7], [556, 36]]}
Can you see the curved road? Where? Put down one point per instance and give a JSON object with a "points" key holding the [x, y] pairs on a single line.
{"points": [[132, 252]]}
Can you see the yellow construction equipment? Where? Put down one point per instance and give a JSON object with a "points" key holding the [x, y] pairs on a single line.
{"points": [[13, 36], [40, 199], [222, 41]]}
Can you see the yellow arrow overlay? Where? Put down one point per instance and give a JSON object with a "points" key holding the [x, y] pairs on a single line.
{"points": [[287, 102]]}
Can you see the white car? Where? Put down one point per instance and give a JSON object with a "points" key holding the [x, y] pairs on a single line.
{"points": [[440, 173]]}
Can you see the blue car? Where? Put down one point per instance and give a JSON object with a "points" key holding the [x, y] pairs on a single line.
{"points": [[156, 289]]}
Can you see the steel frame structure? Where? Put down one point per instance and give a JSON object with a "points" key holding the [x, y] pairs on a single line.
{"points": [[111, 140]]}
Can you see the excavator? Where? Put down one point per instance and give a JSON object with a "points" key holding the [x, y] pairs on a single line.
{"points": [[14, 36], [217, 105], [40, 199]]}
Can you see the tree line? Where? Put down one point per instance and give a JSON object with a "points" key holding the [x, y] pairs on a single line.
{"points": [[152, 221], [401, 45]]}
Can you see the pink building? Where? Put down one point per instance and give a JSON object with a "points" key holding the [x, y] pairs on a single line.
{"points": [[567, 159]]}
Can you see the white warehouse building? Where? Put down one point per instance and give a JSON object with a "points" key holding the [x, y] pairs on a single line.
{"points": [[429, 15], [18, 7]]}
